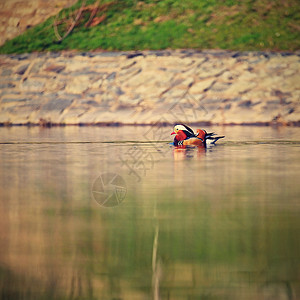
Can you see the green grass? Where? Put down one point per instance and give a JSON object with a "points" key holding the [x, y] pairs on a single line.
{"points": [[161, 24]]}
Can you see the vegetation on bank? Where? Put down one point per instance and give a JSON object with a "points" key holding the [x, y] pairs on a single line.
{"points": [[161, 24]]}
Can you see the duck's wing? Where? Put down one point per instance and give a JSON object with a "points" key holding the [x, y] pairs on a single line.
{"points": [[188, 131]]}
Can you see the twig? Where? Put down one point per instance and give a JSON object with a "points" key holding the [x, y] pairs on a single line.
{"points": [[294, 26], [55, 23], [94, 11]]}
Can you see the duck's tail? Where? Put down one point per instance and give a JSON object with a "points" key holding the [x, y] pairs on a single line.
{"points": [[211, 139]]}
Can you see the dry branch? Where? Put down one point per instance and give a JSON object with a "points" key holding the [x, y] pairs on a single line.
{"points": [[55, 24], [94, 11], [92, 21]]}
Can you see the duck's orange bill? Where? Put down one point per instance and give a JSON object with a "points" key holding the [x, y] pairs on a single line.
{"points": [[173, 132]]}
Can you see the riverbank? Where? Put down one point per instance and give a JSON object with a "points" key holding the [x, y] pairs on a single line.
{"points": [[150, 87]]}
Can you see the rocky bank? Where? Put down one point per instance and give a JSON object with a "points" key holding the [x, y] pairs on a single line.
{"points": [[150, 87]]}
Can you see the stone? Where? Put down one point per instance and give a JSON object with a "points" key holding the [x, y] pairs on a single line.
{"points": [[273, 102], [227, 106], [292, 59], [33, 84], [211, 68], [85, 71], [289, 72], [188, 82], [7, 85], [37, 66], [240, 87], [220, 86], [97, 84], [174, 93], [22, 56], [127, 64], [26, 109], [90, 103], [129, 101], [246, 103], [22, 69], [9, 92], [149, 91], [133, 55], [18, 99], [54, 54], [106, 65], [291, 84], [201, 86], [6, 72], [258, 94], [55, 68], [78, 85], [247, 76], [111, 76], [54, 85], [149, 79], [126, 74], [215, 100], [109, 54], [190, 72], [118, 91], [71, 116], [73, 65], [58, 105], [171, 64]]}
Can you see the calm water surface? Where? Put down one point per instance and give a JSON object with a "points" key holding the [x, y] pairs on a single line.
{"points": [[118, 213]]}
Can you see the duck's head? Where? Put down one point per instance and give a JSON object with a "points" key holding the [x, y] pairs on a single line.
{"points": [[177, 128], [187, 130]]}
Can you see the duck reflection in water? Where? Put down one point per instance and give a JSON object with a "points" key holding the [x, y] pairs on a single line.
{"points": [[188, 152]]}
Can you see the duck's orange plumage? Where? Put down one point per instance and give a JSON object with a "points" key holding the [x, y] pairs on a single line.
{"points": [[201, 134], [181, 139]]}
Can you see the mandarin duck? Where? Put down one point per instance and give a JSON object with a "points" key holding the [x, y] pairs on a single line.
{"points": [[186, 136]]}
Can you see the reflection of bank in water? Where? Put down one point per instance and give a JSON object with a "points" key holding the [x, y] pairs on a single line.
{"points": [[228, 218], [281, 290]]}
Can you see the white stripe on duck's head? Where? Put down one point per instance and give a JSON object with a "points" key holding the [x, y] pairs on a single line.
{"points": [[187, 130]]}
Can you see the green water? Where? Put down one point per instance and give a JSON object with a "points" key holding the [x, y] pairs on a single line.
{"points": [[167, 223]]}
